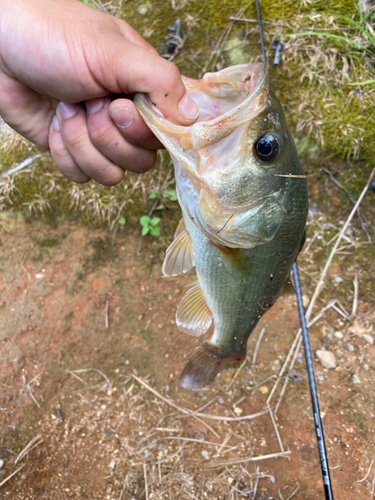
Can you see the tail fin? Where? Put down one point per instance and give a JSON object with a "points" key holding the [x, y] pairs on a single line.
{"points": [[205, 362]]}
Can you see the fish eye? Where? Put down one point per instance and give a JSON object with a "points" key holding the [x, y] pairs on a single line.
{"points": [[267, 147]]}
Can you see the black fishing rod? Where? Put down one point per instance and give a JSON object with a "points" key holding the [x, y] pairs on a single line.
{"points": [[306, 343]]}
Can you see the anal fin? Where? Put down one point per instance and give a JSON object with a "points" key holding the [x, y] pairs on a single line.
{"points": [[179, 257], [193, 315], [205, 362]]}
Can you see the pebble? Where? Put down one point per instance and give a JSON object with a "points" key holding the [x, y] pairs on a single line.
{"points": [[264, 389], [305, 301], [237, 410], [205, 455], [368, 338], [339, 335], [356, 379], [326, 358], [1, 463], [275, 365]]}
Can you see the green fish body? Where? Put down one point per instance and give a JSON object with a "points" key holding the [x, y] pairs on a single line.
{"points": [[244, 203]]}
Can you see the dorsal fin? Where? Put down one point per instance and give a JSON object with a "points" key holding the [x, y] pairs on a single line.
{"points": [[179, 257], [234, 260], [193, 315]]}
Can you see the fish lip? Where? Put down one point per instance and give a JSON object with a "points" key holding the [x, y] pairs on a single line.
{"points": [[143, 103]]}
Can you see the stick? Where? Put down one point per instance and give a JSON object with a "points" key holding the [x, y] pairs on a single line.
{"points": [[255, 353], [223, 463], [11, 475], [145, 476], [106, 315], [355, 298], [36, 441], [367, 474]]}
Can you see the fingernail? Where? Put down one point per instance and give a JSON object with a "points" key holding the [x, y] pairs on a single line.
{"points": [[188, 108], [94, 105], [66, 110], [55, 124], [122, 117]]}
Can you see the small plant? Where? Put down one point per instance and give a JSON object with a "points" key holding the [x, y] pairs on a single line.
{"points": [[166, 194], [150, 225], [121, 221]]}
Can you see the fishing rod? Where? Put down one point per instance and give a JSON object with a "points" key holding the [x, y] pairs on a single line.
{"points": [[306, 343]]}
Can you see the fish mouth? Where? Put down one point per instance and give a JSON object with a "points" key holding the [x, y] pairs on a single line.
{"points": [[224, 99]]}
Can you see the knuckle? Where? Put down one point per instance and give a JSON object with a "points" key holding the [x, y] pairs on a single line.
{"points": [[171, 73]]}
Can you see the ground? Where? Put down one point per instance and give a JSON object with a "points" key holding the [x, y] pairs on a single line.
{"points": [[88, 333], [90, 404]]}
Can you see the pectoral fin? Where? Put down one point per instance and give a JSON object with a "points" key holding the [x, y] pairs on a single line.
{"points": [[179, 257], [193, 315], [234, 260]]}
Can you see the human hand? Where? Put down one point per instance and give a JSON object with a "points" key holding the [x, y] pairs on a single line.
{"points": [[63, 50]]}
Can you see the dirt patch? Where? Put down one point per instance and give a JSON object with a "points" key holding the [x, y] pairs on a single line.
{"points": [[83, 391]]}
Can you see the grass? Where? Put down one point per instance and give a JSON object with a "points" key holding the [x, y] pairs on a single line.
{"points": [[325, 83]]}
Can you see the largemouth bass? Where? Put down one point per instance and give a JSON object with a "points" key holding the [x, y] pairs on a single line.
{"points": [[244, 202]]}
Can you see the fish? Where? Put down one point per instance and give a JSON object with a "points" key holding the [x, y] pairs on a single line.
{"points": [[244, 202]]}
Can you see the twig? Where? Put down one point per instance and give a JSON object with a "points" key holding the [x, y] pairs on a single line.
{"points": [[293, 493], [233, 419], [363, 219], [145, 476], [235, 376], [372, 488], [202, 415], [257, 347], [223, 463], [11, 475], [275, 427], [24, 164], [209, 443], [83, 370], [367, 474], [290, 175], [174, 405], [106, 315], [355, 298], [36, 441]]}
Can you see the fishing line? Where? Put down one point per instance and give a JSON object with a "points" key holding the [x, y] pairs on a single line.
{"points": [[306, 342]]}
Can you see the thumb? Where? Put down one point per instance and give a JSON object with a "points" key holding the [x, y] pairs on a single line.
{"points": [[141, 70]]}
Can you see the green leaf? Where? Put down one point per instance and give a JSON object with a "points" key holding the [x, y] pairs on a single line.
{"points": [[154, 193], [159, 207], [144, 220], [170, 194], [121, 221], [155, 221], [155, 231], [145, 230]]}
